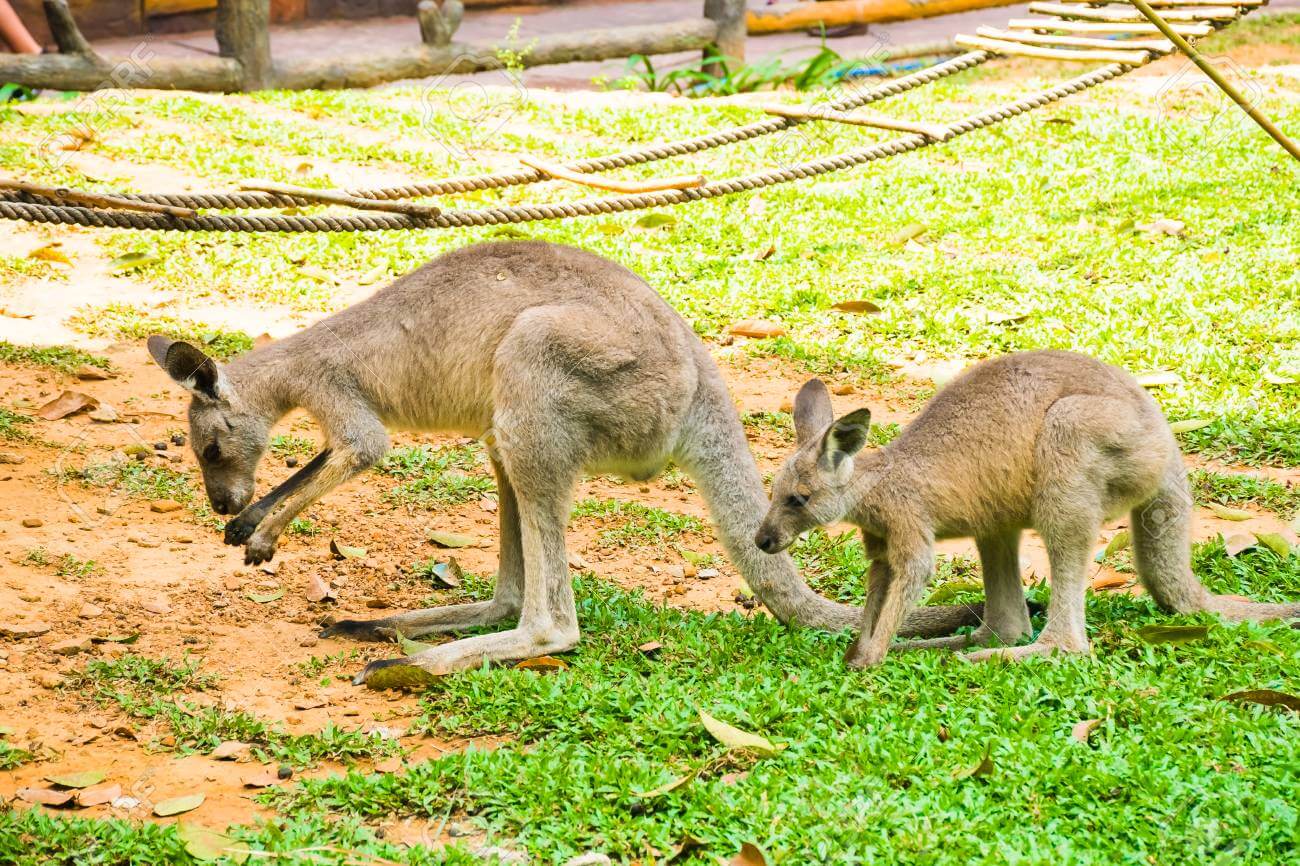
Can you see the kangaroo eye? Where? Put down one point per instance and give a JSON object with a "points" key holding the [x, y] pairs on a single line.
{"points": [[212, 453], [794, 500]]}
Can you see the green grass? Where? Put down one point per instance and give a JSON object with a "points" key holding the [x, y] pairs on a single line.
{"points": [[1226, 489], [139, 479], [635, 526], [13, 426], [1172, 775], [125, 321], [65, 359], [291, 446], [151, 690], [436, 476], [12, 757], [836, 566], [71, 566]]}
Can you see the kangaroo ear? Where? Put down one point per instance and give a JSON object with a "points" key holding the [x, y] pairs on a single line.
{"points": [[845, 437], [188, 366], [812, 411]]}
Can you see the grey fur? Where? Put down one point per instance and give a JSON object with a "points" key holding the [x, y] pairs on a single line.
{"points": [[1053, 441], [564, 363]]}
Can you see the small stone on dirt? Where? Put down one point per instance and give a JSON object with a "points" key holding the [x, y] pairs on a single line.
{"points": [[708, 573], [22, 630], [88, 373], [309, 640], [33, 522], [90, 611], [164, 506], [160, 446], [10, 458], [291, 462], [47, 679], [842, 389], [157, 605], [71, 646], [104, 414]]}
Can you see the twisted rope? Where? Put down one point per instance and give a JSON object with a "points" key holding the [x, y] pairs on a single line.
{"points": [[35, 212], [652, 153]]}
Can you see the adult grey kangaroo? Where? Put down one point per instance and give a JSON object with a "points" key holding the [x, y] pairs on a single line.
{"points": [[563, 362], [1052, 441]]}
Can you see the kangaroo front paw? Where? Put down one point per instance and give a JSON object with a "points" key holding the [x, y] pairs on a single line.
{"points": [[241, 527], [360, 629], [260, 548]]}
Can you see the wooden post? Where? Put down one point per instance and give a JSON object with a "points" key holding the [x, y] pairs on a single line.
{"points": [[243, 34], [730, 41], [438, 22]]}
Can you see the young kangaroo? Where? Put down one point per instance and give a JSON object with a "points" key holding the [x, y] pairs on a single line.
{"points": [[1052, 441], [563, 362]]}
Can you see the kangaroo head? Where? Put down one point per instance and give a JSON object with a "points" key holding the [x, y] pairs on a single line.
{"points": [[813, 487], [227, 436]]}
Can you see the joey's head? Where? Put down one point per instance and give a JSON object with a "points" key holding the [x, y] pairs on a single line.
{"points": [[814, 487], [228, 437]]}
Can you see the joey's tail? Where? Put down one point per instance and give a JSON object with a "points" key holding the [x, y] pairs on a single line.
{"points": [[1162, 551], [714, 451]]}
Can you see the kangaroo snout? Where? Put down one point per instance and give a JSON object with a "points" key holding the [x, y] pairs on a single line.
{"points": [[767, 541], [228, 503]]}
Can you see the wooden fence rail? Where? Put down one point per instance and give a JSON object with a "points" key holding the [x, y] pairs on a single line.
{"points": [[245, 62]]}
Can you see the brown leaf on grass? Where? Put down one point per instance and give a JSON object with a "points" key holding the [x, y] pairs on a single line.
{"points": [[688, 845], [542, 664], [447, 575], [856, 307], [207, 845], [1173, 634], [907, 233], [750, 855], [390, 765], [1265, 697], [757, 329], [45, 796], [1171, 227], [983, 768], [1274, 542], [1238, 543], [318, 589], [50, 253], [98, 795], [765, 253], [1082, 730], [1110, 581], [67, 403], [442, 538], [650, 649], [668, 787]]}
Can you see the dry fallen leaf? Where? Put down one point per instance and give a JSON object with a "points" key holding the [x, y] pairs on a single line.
{"points": [[542, 664], [343, 551], [907, 234], [749, 855], [67, 403], [666, 788], [765, 253], [442, 538], [319, 590], [263, 778], [1237, 543], [1275, 543], [758, 329], [856, 307], [232, 750], [983, 768], [735, 738], [1223, 512], [1110, 581], [1265, 697], [178, 805], [447, 575], [85, 779], [207, 845], [1173, 634], [98, 795], [1171, 227], [650, 649], [1083, 730], [1190, 424], [45, 796], [50, 253]]}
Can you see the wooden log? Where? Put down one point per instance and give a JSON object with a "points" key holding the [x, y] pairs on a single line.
{"points": [[396, 64], [78, 72], [1088, 13], [243, 32], [93, 199], [1163, 4], [559, 172], [834, 13], [932, 131], [63, 27], [1164, 46], [331, 196], [1102, 26], [438, 24], [729, 15], [999, 46]]}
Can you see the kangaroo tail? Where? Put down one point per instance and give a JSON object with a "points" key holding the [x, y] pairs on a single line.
{"points": [[712, 448], [1162, 551]]}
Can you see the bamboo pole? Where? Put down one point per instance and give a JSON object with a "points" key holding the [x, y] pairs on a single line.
{"points": [[1218, 78], [559, 172], [999, 46], [1204, 13], [834, 13], [932, 131], [1103, 26], [1163, 46], [329, 196], [93, 199]]}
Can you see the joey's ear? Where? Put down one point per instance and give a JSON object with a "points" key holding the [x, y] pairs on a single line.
{"points": [[812, 411], [188, 366], [845, 437]]}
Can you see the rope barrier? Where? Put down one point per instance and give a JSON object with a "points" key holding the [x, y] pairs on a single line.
{"points": [[31, 207]]}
